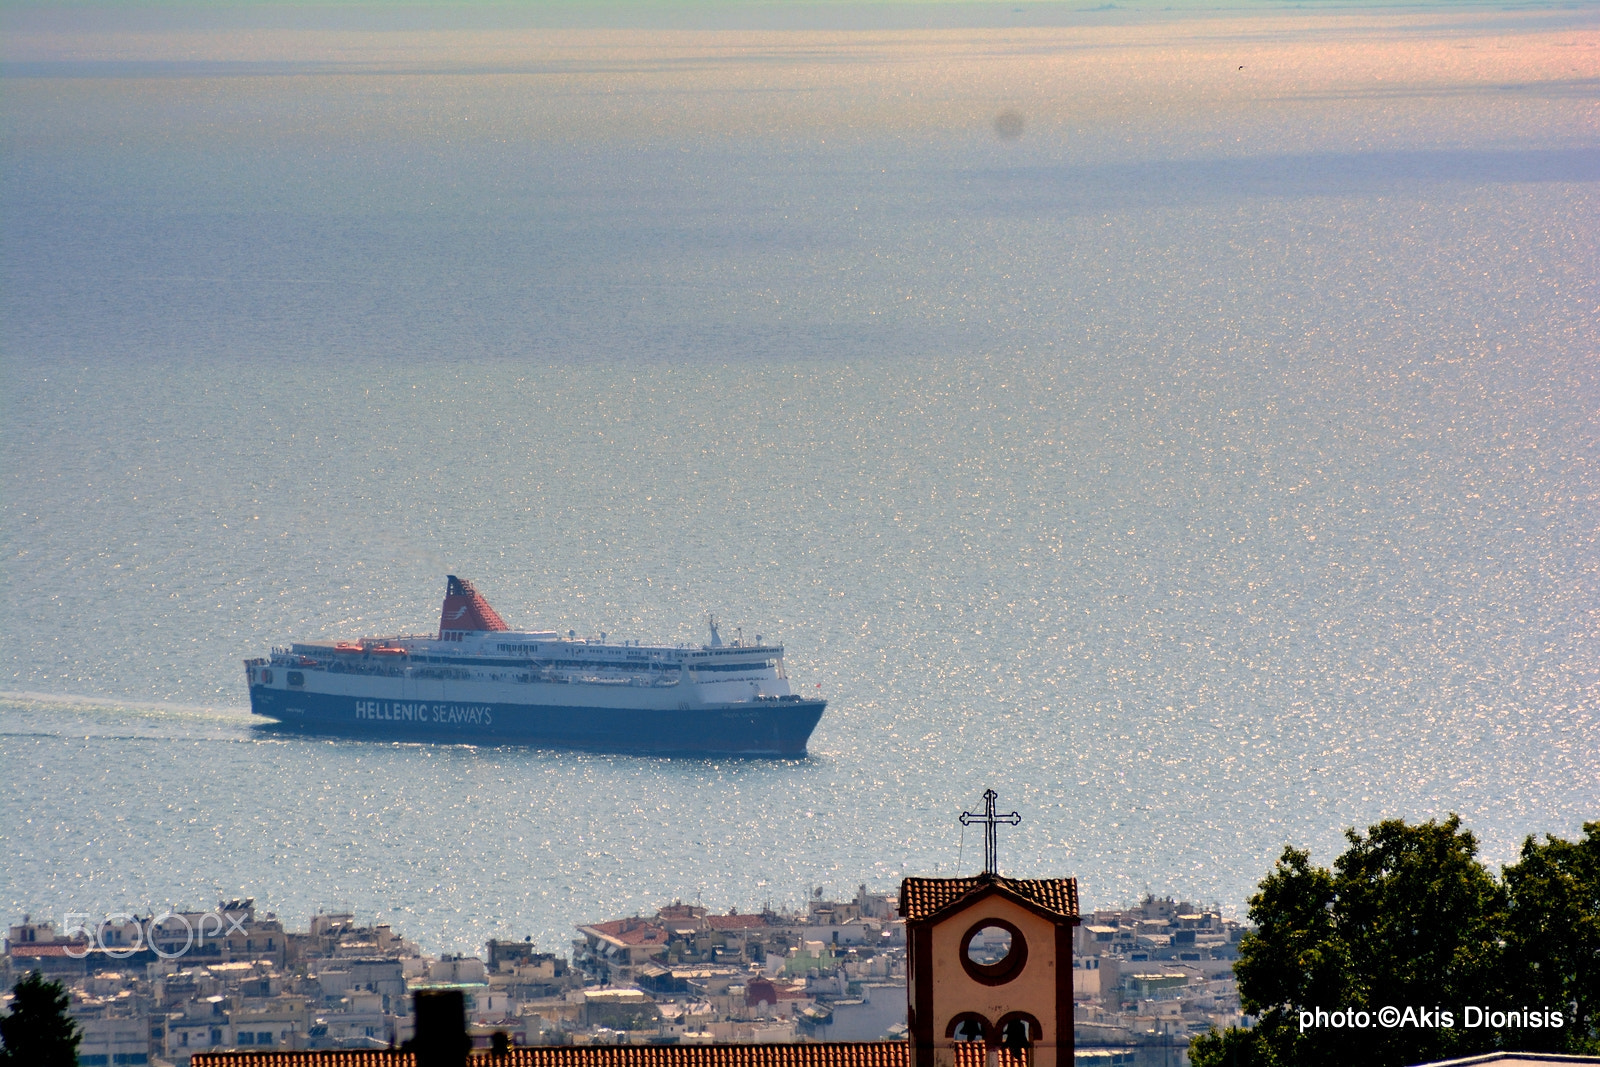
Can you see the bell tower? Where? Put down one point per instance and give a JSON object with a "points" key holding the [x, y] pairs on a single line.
{"points": [[989, 959]]}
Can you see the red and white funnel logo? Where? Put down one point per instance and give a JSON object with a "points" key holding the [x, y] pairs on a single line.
{"points": [[466, 609]]}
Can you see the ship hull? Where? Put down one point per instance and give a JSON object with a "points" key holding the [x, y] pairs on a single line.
{"points": [[770, 728]]}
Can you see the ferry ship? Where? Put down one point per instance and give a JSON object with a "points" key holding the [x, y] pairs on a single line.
{"points": [[478, 681]]}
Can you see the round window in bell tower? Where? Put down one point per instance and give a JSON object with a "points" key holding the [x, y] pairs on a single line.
{"points": [[993, 952]]}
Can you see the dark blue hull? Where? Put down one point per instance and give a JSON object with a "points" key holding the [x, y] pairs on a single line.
{"points": [[763, 728]]}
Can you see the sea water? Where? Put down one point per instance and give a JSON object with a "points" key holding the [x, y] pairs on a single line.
{"points": [[1182, 424]]}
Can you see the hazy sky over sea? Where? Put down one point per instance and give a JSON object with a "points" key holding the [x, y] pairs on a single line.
{"points": [[1179, 417]]}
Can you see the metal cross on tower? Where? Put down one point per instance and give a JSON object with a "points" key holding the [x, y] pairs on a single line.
{"points": [[991, 848]]}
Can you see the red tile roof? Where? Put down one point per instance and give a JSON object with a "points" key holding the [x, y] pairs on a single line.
{"points": [[631, 931], [922, 897], [833, 1054], [765, 989], [76, 950]]}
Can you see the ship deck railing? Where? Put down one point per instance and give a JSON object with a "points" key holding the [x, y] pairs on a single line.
{"points": [[654, 680]]}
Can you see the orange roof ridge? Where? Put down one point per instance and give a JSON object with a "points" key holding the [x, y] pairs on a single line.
{"points": [[922, 897]]}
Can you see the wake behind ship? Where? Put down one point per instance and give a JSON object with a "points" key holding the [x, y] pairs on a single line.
{"points": [[478, 681]]}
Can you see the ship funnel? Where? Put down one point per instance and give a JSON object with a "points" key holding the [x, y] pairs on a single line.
{"points": [[466, 609]]}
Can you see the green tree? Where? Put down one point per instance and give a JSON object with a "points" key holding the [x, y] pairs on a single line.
{"points": [[38, 1032], [1264, 1046], [1293, 957], [1552, 936], [1421, 919], [1407, 918]]}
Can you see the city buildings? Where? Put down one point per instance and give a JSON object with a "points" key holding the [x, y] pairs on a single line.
{"points": [[162, 989], [1149, 978]]}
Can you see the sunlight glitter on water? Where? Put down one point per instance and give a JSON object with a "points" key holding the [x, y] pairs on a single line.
{"points": [[1208, 467]]}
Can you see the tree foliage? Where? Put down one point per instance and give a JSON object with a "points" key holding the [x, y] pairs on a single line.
{"points": [[38, 1032], [1552, 937], [1409, 918]]}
